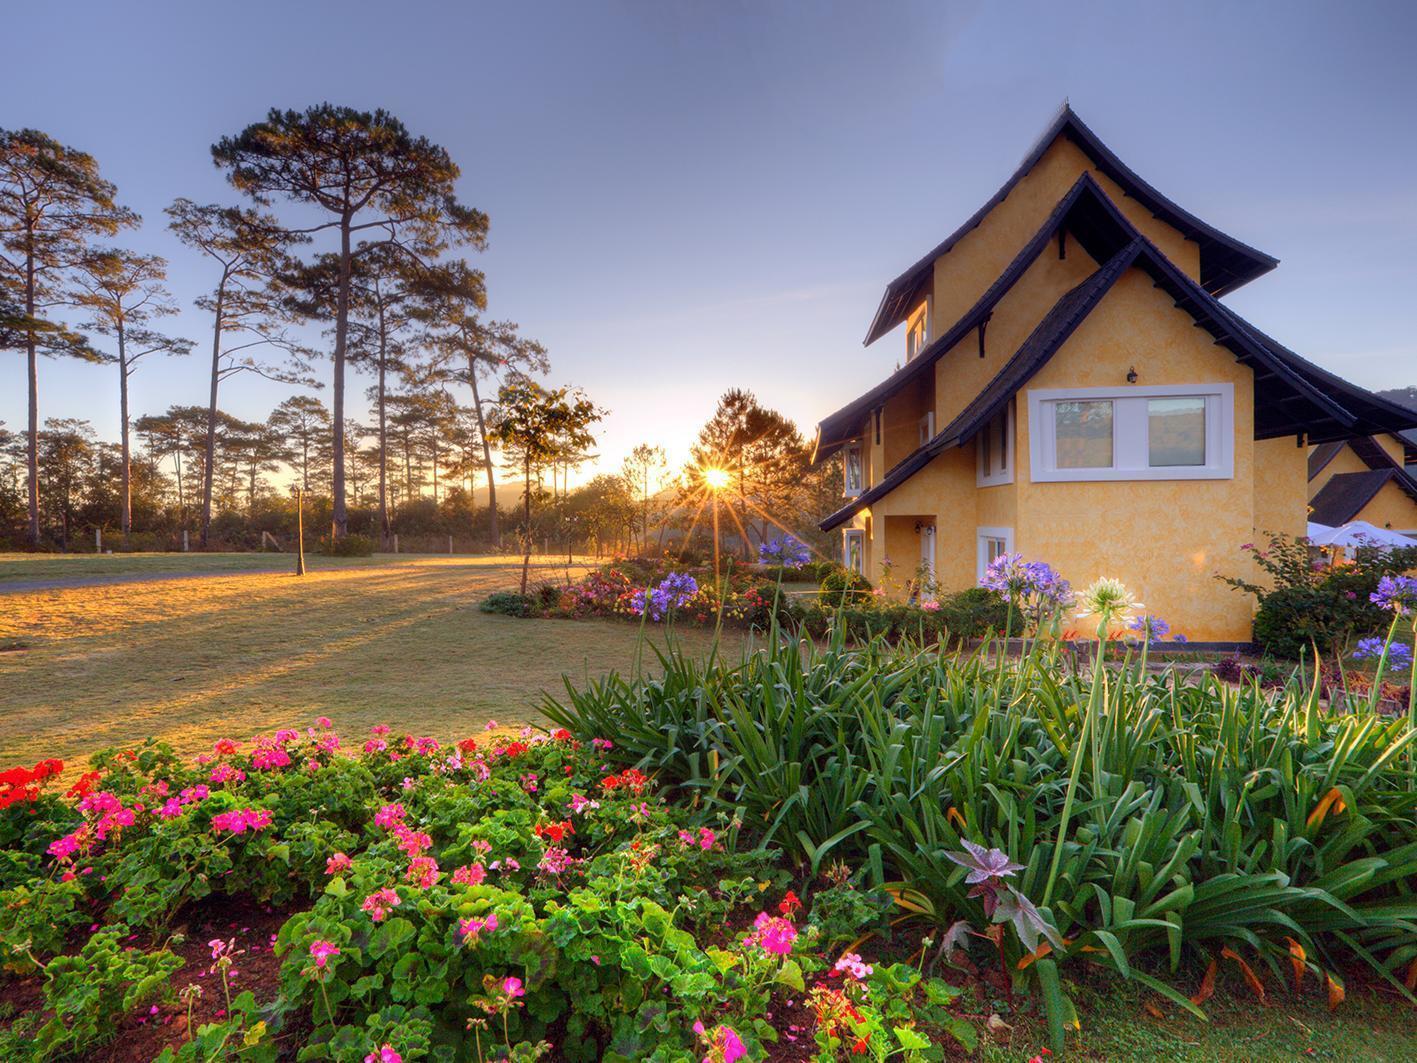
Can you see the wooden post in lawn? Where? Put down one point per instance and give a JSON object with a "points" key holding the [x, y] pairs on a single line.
{"points": [[98, 540], [299, 532]]}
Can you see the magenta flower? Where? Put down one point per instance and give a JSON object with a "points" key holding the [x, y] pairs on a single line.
{"points": [[322, 951], [389, 816], [384, 1054], [338, 864], [773, 934], [513, 988], [379, 903]]}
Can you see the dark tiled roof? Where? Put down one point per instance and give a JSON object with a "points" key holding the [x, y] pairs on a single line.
{"points": [[1345, 494], [1321, 455], [1226, 263]]}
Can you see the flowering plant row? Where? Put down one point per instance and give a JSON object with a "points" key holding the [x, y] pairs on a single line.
{"points": [[501, 898]]}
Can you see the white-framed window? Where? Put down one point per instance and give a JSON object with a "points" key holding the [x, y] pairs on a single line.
{"points": [[852, 472], [926, 430], [994, 446], [917, 332], [853, 550], [1174, 432], [992, 543]]}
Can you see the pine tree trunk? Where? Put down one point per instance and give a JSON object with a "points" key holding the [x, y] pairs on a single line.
{"points": [[385, 529], [496, 530], [526, 519], [32, 368], [339, 519], [211, 416], [127, 484]]}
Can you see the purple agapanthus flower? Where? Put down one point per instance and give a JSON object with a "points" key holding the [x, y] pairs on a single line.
{"points": [[1152, 628], [674, 591], [1371, 649], [1398, 593], [1030, 585], [785, 550]]}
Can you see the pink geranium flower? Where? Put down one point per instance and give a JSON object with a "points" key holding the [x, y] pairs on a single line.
{"points": [[338, 864], [384, 1054], [379, 903], [513, 988], [322, 952]]}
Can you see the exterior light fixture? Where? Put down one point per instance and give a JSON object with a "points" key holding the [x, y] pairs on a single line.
{"points": [[1132, 375]]}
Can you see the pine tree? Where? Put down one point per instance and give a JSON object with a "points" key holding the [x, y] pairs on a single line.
{"points": [[52, 203], [383, 187]]}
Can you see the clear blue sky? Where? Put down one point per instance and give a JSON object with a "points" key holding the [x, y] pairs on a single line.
{"points": [[688, 197]]}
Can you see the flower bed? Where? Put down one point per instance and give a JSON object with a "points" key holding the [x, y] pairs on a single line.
{"points": [[501, 898]]}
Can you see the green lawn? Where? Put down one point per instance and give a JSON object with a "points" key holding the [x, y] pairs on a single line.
{"points": [[396, 640], [33, 568]]}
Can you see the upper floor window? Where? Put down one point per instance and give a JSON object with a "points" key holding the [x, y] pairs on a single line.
{"points": [[917, 331], [852, 470], [994, 445], [1176, 432], [925, 429]]}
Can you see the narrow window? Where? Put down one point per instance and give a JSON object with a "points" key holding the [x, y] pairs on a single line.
{"points": [[852, 469], [994, 444], [852, 550]]}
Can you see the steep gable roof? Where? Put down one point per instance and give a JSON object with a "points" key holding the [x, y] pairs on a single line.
{"points": [[1320, 457], [1225, 262], [1291, 394], [1346, 493]]}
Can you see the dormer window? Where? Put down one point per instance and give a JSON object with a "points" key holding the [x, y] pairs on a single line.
{"points": [[917, 331], [852, 471]]}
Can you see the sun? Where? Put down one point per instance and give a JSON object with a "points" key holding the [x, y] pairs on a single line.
{"points": [[716, 478]]}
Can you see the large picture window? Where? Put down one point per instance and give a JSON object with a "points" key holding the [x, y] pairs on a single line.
{"points": [[1184, 432]]}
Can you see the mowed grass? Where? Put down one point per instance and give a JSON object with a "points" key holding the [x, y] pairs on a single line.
{"points": [[389, 640], [44, 568]]}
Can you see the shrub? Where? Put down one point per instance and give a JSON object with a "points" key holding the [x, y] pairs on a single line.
{"points": [[841, 586], [348, 546], [508, 603], [548, 594], [977, 611], [1308, 603]]}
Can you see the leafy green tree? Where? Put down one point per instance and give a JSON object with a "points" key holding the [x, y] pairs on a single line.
{"points": [[124, 293], [53, 201], [302, 424], [380, 185], [249, 320], [644, 469], [534, 426], [67, 448]]}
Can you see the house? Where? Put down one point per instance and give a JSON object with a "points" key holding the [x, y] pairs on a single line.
{"points": [[1074, 390], [1369, 478]]}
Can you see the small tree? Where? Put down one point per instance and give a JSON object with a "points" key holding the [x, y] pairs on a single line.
{"points": [[534, 426], [248, 319], [644, 470], [123, 294], [302, 424], [379, 184], [52, 202]]}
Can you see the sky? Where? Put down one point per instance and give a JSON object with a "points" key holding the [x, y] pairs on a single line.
{"points": [[689, 197]]}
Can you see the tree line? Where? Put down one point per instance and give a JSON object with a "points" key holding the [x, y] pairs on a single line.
{"points": [[347, 221]]}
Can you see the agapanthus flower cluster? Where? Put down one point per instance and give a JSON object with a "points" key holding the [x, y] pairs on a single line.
{"points": [[1034, 587], [1396, 593], [1108, 599], [240, 820], [1151, 628], [1371, 649], [674, 591], [785, 550]]}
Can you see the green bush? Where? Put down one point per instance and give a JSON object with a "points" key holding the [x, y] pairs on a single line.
{"points": [[1306, 605], [976, 612], [840, 586], [508, 603], [548, 594], [348, 546]]}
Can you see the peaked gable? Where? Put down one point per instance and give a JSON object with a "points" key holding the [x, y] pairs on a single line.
{"points": [[1225, 262]]}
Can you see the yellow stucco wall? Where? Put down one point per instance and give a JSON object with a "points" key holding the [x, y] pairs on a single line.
{"points": [[1281, 487], [962, 274], [1166, 539], [1391, 508], [1392, 445], [1344, 461]]}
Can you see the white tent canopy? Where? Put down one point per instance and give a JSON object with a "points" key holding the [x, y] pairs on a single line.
{"points": [[1358, 533]]}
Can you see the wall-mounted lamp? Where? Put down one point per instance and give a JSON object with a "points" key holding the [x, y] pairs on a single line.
{"points": [[1132, 375]]}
